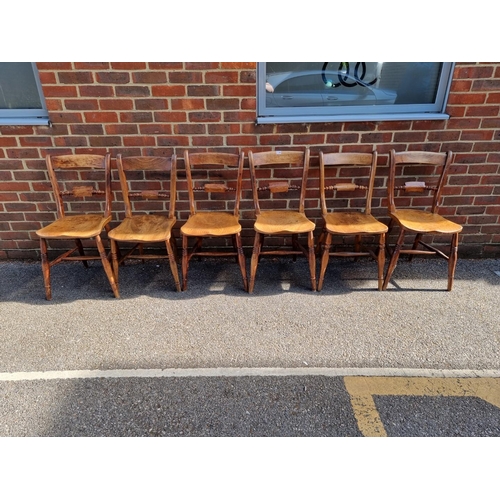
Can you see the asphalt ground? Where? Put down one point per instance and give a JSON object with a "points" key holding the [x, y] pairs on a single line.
{"points": [[283, 362]]}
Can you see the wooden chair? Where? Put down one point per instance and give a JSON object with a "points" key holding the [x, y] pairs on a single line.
{"points": [[214, 186], [285, 222], [146, 228], [421, 167], [338, 174], [78, 176]]}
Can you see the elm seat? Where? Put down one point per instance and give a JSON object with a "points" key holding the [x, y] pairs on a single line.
{"points": [[423, 169], [422, 221], [77, 177], [271, 222], [276, 222], [141, 229], [211, 224], [75, 226], [343, 184], [214, 187]]}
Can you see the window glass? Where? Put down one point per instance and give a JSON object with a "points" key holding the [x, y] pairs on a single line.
{"points": [[21, 99], [334, 90]]}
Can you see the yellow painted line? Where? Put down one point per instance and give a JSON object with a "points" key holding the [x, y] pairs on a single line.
{"points": [[362, 389]]}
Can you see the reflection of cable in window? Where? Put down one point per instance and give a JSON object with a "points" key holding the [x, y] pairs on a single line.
{"points": [[343, 75]]}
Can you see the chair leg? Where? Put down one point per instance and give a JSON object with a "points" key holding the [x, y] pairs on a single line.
{"points": [[185, 261], [114, 258], [320, 241], [416, 241], [389, 229], [452, 262], [381, 260], [312, 259], [255, 260], [324, 260], [107, 266], [45, 269], [295, 245], [241, 260], [394, 259], [173, 264], [81, 251]]}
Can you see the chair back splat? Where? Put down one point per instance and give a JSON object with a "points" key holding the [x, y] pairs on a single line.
{"points": [[214, 186], [276, 215], [347, 181], [414, 192], [75, 180], [148, 186]]}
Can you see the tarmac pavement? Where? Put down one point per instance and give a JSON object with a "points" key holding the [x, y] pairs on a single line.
{"points": [[216, 361]]}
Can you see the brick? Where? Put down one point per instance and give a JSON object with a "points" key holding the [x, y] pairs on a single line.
{"points": [[36, 141], [151, 104], [239, 90], [149, 77], [96, 90], [185, 77], [75, 77], [116, 104], [178, 104], [482, 110], [473, 72], [101, 117], [275, 140], [54, 66], [136, 117], [166, 65], [222, 104], [128, 66], [60, 91], [139, 140], [81, 104], [170, 116], [203, 90], [168, 90], [204, 117], [221, 77], [113, 77], [132, 91], [155, 128], [121, 129], [23, 153], [208, 141]]}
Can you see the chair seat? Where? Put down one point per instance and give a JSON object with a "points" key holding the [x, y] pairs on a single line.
{"points": [[75, 226], [353, 223], [283, 222], [143, 228], [421, 221], [205, 224]]}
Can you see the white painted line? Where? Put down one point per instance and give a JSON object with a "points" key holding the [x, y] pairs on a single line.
{"points": [[246, 372]]}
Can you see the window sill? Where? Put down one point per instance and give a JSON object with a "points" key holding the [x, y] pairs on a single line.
{"points": [[25, 121], [352, 118]]}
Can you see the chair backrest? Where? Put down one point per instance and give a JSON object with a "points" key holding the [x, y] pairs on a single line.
{"points": [[214, 181], [148, 178], [417, 174], [80, 176], [349, 178], [268, 184]]}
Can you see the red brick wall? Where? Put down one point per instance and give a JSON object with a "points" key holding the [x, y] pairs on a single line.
{"points": [[165, 108]]}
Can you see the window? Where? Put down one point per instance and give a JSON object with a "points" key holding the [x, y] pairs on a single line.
{"points": [[299, 92], [21, 98]]}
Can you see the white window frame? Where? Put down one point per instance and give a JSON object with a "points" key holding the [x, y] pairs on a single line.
{"points": [[34, 116], [324, 114]]}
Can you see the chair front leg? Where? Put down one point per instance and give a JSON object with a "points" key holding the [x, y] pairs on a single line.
{"points": [[114, 258], [394, 259], [107, 266], [255, 260], [241, 260], [45, 268], [312, 259], [452, 261], [173, 264], [324, 260], [185, 261], [381, 261]]}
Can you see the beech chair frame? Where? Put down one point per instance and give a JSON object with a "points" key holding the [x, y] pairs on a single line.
{"points": [[352, 224], [150, 228], [207, 173], [84, 226], [281, 222], [416, 221]]}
